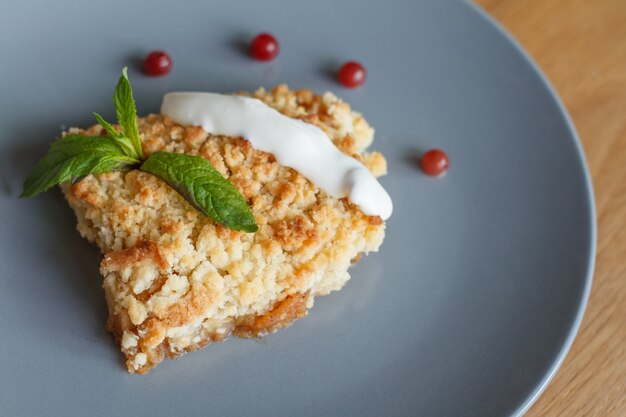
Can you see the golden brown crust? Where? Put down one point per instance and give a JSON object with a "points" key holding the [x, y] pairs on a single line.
{"points": [[175, 281], [282, 314], [142, 252]]}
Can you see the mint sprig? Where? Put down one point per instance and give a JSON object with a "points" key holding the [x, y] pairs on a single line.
{"points": [[73, 157]]}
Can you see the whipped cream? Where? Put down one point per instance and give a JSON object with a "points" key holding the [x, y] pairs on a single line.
{"points": [[294, 143]]}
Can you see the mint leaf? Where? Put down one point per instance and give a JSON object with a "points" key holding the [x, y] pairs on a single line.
{"points": [[127, 112], [124, 142], [73, 157], [204, 187], [107, 126]]}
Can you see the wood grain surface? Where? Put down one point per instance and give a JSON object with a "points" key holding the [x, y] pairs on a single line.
{"points": [[581, 47]]}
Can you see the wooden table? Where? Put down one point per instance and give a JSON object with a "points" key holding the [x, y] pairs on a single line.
{"points": [[581, 47]]}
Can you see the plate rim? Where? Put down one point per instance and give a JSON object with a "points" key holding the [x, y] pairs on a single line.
{"points": [[591, 206]]}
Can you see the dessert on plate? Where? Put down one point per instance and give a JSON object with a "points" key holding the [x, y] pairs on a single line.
{"points": [[176, 279]]}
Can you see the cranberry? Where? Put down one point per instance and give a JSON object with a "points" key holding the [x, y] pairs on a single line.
{"points": [[351, 74], [157, 63], [434, 162], [264, 47]]}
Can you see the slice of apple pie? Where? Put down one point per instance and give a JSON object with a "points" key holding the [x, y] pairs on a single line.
{"points": [[175, 280]]}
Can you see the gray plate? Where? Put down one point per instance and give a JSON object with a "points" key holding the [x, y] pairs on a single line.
{"points": [[471, 303]]}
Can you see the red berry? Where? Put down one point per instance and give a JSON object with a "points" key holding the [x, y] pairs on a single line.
{"points": [[434, 162], [351, 74], [264, 47], [157, 63]]}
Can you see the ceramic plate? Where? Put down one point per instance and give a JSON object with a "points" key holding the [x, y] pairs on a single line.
{"points": [[468, 308]]}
